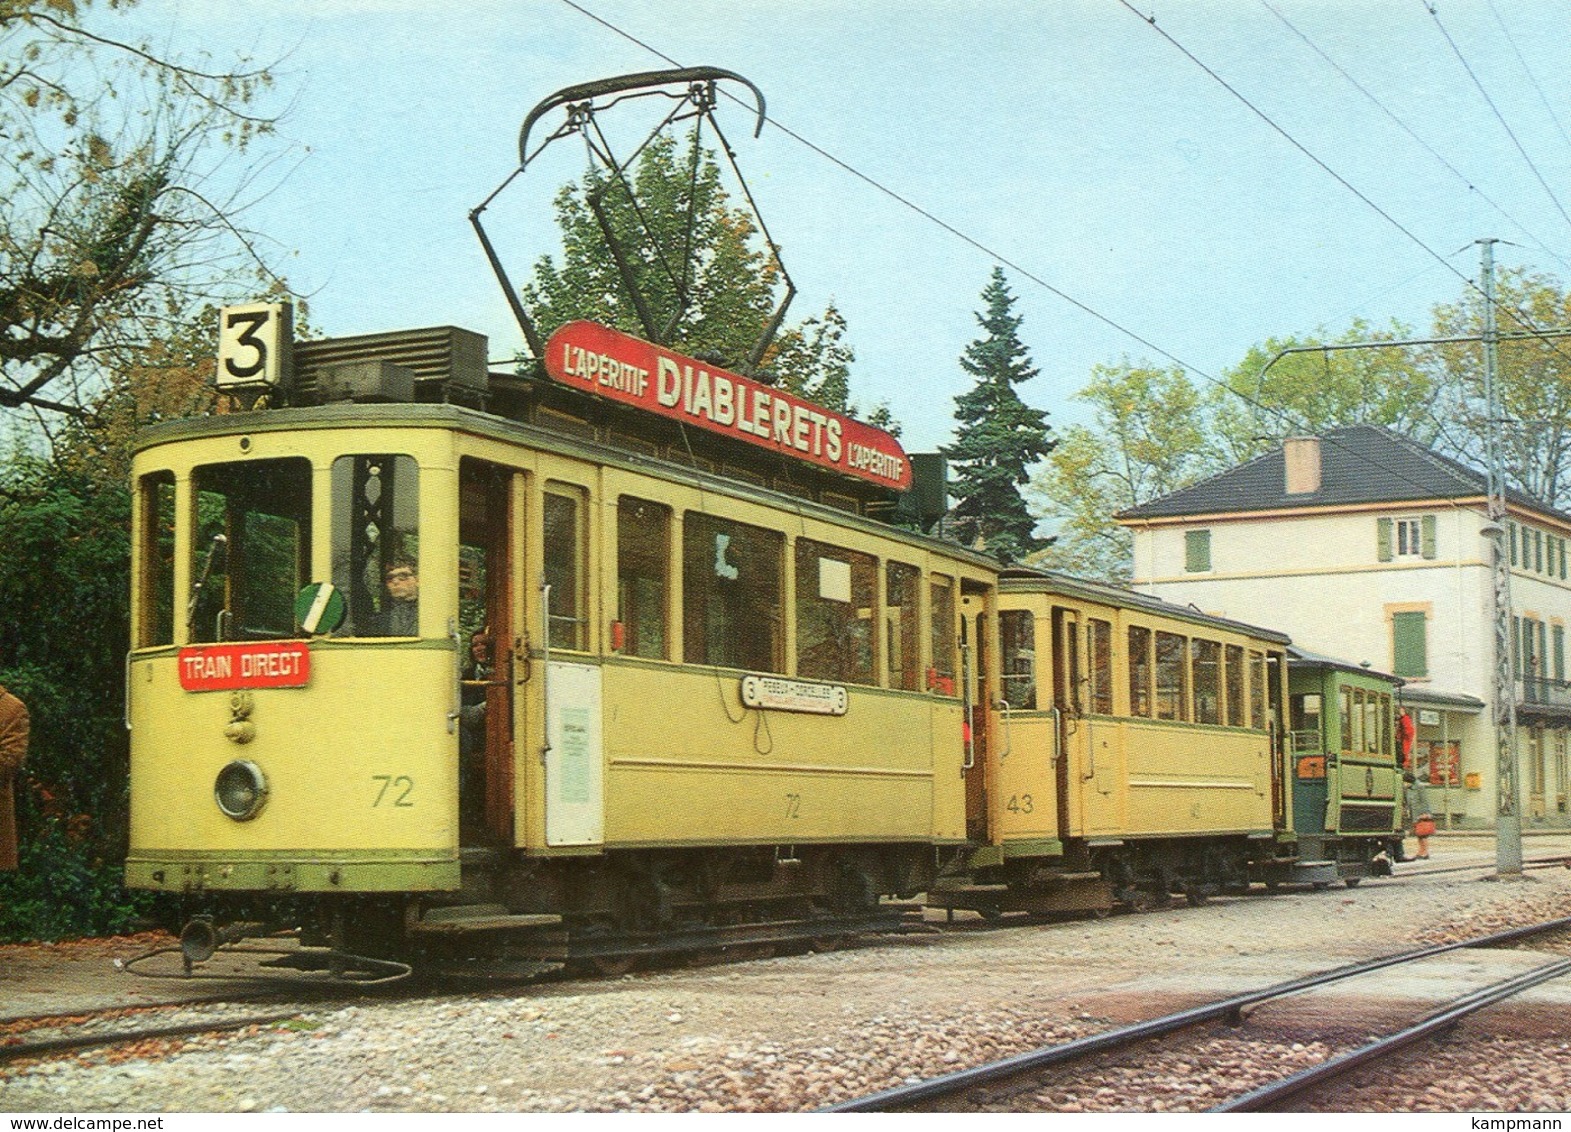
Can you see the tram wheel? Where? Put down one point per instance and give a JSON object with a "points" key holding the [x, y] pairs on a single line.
{"points": [[1351, 882], [614, 965], [1195, 895], [826, 943]]}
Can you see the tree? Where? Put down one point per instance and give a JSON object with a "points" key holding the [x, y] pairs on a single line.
{"points": [[1533, 383], [120, 217], [1149, 437], [707, 284], [999, 437], [1311, 393]]}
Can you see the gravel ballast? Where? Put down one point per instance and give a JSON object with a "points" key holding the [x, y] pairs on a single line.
{"points": [[794, 1033]]}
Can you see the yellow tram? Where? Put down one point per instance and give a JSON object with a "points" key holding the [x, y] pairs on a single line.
{"points": [[448, 680]]}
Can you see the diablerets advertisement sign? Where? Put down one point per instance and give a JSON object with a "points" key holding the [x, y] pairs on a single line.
{"points": [[607, 362]]}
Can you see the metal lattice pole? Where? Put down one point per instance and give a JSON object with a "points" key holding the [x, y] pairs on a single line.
{"points": [[1508, 819]]}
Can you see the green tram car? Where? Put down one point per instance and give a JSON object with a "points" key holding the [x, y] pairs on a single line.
{"points": [[1345, 771]]}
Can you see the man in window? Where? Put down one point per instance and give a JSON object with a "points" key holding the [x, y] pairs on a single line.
{"points": [[400, 616]]}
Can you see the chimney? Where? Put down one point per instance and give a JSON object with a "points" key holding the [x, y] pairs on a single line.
{"points": [[1301, 457]]}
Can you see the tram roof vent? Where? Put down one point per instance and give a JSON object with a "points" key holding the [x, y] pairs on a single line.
{"points": [[366, 381], [437, 363]]}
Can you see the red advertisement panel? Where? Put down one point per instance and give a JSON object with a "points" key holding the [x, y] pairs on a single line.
{"points": [[256, 664], [606, 362]]}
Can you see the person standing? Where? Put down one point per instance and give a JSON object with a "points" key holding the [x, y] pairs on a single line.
{"points": [[13, 749]]}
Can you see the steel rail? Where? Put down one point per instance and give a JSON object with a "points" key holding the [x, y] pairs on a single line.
{"points": [[115, 1037], [1444, 1018], [904, 1096]]}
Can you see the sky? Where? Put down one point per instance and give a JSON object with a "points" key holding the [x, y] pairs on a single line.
{"points": [[1167, 181]]}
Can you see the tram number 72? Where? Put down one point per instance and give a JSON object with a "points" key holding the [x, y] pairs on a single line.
{"points": [[394, 791]]}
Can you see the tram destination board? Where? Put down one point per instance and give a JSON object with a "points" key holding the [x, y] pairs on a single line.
{"points": [[610, 364], [259, 664]]}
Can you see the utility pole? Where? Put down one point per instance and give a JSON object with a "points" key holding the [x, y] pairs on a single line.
{"points": [[1508, 814]]}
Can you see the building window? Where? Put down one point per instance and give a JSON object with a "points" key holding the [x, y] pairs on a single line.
{"points": [[1408, 537], [1197, 552], [1409, 644]]}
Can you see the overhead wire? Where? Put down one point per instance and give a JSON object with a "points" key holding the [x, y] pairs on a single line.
{"points": [[1283, 416], [1499, 117], [1532, 78], [1410, 132]]}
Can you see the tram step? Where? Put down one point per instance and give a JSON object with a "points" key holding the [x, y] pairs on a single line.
{"points": [[479, 918]]}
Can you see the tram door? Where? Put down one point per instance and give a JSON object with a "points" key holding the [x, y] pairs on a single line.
{"points": [[491, 651]]}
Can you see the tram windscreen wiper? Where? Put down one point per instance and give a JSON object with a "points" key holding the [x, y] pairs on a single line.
{"points": [[216, 551]]}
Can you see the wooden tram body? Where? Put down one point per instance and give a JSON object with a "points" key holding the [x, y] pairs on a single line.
{"points": [[1344, 762], [1141, 755], [718, 703], [707, 703]]}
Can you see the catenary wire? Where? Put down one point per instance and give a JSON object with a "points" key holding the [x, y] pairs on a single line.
{"points": [[1494, 109], [1410, 132], [1283, 416]]}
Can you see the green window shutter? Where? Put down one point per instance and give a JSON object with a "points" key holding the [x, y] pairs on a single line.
{"points": [[1538, 550], [1409, 647], [1562, 559], [1516, 646], [1429, 536], [1197, 551], [1511, 538], [1558, 636], [1383, 539]]}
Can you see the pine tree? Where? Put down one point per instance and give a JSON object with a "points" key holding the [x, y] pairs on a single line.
{"points": [[999, 437]]}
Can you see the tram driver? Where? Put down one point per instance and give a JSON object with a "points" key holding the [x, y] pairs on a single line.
{"points": [[400, 615]]}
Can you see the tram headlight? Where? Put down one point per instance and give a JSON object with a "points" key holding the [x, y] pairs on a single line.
{"points": [[240, 790]]}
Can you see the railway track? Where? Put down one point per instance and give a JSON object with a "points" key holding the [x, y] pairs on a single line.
{"points": [[77, 1033], [985, 1086]]}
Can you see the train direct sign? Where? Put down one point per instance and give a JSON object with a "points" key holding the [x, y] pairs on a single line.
{"points": [[606, 362], [259, 664]]}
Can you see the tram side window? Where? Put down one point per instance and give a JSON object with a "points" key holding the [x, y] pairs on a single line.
{"points": [[1205, 659], [1139, 671], [1257, 690], [731, 594], [834, 612], [1386, 726], [1099, 643], [1172, 691], [903, 621], [376, 543], [1371, 723], [1018, 629], [941, 675], [158, 560], [566, 572], [643, 557], [1305, 722], [251, 549], [1234, 670], [1347, 717]]}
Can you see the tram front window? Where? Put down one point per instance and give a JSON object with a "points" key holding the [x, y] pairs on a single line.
{"points": [[251, 549], [376, 543]]}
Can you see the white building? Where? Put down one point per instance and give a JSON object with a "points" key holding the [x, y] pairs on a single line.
{"points": [[1366, 545]]}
